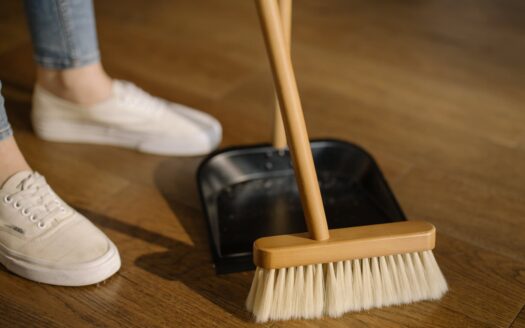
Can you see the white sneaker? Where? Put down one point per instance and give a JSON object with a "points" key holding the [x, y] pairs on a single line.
{"points": [[131, 118], [45, 240]]}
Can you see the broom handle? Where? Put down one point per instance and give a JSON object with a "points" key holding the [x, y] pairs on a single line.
{"points": [[294, 123], [279, 136]]}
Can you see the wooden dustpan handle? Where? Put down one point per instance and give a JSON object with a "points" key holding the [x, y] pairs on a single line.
{"points": [[279, 136], [293, 119]]}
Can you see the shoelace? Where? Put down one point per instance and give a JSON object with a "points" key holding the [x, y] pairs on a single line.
{"points": [[135, 97], [36, 200]]}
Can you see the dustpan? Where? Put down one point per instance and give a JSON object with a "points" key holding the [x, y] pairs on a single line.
{"points": [[248, 192]]}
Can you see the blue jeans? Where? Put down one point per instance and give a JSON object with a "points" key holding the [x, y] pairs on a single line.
{"points": [[64, 36], [5, 128]]}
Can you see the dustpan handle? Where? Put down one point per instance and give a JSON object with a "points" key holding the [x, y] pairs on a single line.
{"points": [[279, 136], [293, 119]]}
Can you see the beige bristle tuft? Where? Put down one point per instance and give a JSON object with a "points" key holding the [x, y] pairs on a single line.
{"points": [[309, 309], [341, 288], [253, 290], [299, 292], [357, 286], [319, 291], [367, 290], [264, 296], [377, 283], [289, 295], [389, 292], [331, 291], [437, 282], [417, 295], [349, 289], [308, 292], [406, 288], [420, 276], [399, 293], [279, 296]]}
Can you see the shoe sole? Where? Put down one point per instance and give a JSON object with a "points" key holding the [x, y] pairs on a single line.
{"points": [[83, 275], [73, 132]]}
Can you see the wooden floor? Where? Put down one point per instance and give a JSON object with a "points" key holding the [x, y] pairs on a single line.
{"points": [[434, 89]]}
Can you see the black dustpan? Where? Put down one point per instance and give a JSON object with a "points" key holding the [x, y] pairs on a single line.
{"points": [[250, 192]]}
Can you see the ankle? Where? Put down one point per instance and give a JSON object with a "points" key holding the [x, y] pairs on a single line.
{"points": [[11, 160], [86, 85]]}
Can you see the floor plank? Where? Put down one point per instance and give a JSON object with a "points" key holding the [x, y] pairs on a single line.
{"points": [[519, 322]]}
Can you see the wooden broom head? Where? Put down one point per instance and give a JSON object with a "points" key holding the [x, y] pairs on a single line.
{"points": [[344, 244]]}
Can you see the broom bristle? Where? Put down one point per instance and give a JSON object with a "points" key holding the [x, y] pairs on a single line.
{"points": [[311, 291]]}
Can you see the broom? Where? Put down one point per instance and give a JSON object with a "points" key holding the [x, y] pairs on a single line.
{"points": [[330, 272]]}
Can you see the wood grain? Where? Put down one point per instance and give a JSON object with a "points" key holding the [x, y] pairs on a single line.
{"points": [[519, 321], [433, 90]]}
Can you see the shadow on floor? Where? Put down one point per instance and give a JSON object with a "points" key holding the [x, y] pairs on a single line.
{"points": [[175, 178], [191, 265]]}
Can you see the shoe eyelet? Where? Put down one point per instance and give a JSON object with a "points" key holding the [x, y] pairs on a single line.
{"points": [[41, 225], [32, 218], [25, 212], [7, 199], [17, 205]]}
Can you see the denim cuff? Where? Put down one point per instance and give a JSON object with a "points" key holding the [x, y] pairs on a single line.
{"points": [[67, 62], [64, 33], [5, 128], [6, 132]]}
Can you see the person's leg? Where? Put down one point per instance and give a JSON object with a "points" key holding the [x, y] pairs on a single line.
{"points": [[76, 101], [75, 253], [87, 85], [66, 50], [11, 159]]}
